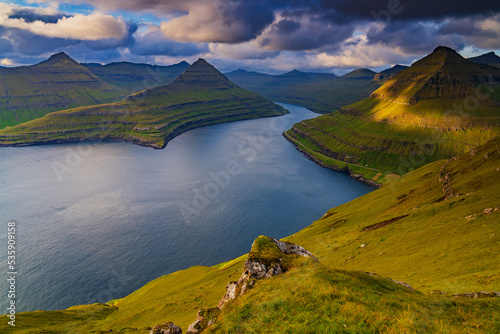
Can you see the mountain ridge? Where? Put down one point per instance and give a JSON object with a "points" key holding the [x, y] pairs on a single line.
{"points": [[420, 115], [29, 92], [200, 96]]}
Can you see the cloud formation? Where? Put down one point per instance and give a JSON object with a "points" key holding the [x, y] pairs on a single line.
{"points": [[91, 27], [279, 34], [219, 21]]}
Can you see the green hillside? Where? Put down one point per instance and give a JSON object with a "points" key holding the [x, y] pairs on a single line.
{"points": [[30, 92], [436, 228], [439, 107], [200, 96], [137, 77], [320, 92]]}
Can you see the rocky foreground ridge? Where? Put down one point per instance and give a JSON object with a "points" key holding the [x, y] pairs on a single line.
{"points": [[268, 257]]}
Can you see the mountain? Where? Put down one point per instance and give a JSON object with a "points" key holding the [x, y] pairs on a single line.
{"points": [[299, 75], [29, 92], [489, 58], [444, 74], [434, 230], [360, 73], [200, 96], [441, 106], [136, 77], [388, 73], [320, 92]]}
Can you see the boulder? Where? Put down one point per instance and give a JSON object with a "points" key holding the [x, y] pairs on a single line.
{"points": [[166, 328], [264, 261]]}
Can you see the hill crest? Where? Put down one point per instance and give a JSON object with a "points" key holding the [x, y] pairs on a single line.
{"points": [[443, 74]]}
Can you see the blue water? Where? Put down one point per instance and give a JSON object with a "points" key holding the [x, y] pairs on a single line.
{"points": [[96, 221]]}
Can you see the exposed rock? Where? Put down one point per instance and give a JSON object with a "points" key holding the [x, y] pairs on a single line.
{"points": [[289, 248], [397, 282], [264, 261], [166, 328], [479, 294], [204, 319], [487, 211]]}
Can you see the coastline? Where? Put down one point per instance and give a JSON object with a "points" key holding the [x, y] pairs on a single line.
{"points": [[308, 155]]}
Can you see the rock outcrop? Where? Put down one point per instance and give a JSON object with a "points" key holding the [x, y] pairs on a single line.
{"points": [[166, 328], [205, 318], [267, 258]]}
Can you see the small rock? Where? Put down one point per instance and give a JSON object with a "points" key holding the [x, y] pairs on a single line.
{"points": [[471, 217], [166, 328], [487, 211]]}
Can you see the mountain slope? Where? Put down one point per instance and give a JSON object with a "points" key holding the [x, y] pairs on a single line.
{"points": [[429, 229], [136, 77], [58, 83], [489, 58], [200, 96], [320, 92], [439, 107], [389, 73]]}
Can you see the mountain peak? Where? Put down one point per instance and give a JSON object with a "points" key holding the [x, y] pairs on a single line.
{"points": [[442, 55], [59, 59], [487, 58], [201, 75], [443, 74], [360, 73]]}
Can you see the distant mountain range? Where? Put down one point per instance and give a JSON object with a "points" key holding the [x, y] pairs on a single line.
{"points": [[320, 92], [200, 96], [441, 106], [489, 58], [29, 92], [136, 77]]}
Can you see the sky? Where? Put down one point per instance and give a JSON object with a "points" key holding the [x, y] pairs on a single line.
{"points": [[272, 36]]}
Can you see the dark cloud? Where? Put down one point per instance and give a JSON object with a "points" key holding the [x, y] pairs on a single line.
{"points": [[25, 43], [220, 21], [309, 34], [411, 9], [32, 15], [413, 37], [154, 44], [286, 26], [466, 27]]}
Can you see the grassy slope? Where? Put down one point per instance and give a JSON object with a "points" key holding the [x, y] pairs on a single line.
{"points": [[200, 96], [317, 299], [432, 247], [407, 122], [30, 92], [137, 77], [321, 93]]}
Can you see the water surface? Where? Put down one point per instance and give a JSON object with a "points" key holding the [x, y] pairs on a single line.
{"points": [[97, 221]]}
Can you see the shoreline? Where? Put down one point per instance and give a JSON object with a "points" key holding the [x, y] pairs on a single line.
{"points": [[357, 177]]}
